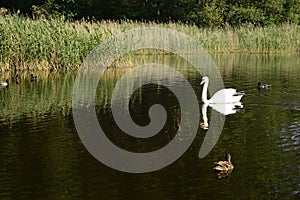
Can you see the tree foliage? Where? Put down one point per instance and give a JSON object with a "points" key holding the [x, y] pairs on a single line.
{"points": [[211, 13]]}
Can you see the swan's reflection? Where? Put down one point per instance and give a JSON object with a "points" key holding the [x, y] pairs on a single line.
{"points": [[225, 109], [204, 124]]}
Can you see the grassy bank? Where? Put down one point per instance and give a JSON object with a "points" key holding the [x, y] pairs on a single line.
{"points": [[45, 44]]}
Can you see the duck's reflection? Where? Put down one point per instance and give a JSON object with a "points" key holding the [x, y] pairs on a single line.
{"points": [[225, 109]]}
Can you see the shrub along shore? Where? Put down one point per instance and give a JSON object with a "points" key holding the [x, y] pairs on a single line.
{"points": [[56, 43]]}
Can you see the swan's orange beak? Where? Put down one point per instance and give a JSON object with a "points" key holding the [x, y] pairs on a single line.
{"points": [[202, 82]]}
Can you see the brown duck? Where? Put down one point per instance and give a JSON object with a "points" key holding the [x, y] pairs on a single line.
{"points": [[224, 166]]}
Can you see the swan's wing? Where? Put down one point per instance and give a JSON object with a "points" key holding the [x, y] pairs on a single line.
{"points": [[222, 95], [240, 93], [228, 95], [238, 96], [226, 108]]}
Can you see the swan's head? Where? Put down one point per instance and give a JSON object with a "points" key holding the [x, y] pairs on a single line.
{"points": [[204, 80]]}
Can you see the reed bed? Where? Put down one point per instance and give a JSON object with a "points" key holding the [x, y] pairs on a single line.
{"points": [[56, 43]]}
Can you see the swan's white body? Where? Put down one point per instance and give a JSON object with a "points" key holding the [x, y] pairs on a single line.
{"points": [[224, 108], [228, 108], [228, 95]]}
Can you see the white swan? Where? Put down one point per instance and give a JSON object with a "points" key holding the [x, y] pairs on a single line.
{"points": [[228, 95], [225, 109]]}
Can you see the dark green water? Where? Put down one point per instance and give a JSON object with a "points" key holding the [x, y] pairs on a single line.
{"points": [[42, 156]]}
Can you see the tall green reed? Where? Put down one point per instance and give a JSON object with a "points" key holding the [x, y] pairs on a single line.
{"points": [[55, 43]]}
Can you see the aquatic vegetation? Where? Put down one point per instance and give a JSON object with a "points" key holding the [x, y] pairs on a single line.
{"points": [[56, 43]]}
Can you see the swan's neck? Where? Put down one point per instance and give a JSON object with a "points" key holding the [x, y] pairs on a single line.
{"points": [[204, 93]]}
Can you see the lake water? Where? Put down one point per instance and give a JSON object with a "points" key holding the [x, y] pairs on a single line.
{"points": [[42, 156]]}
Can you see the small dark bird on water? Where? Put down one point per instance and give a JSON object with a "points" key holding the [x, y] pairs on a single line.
{"points": [[33, 78], [15, 79], [260, 85]]}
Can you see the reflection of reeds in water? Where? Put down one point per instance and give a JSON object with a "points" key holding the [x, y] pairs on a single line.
{"points": [[262, 66], [126, 63], [52, 92]]}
